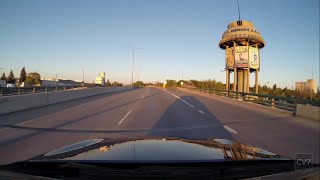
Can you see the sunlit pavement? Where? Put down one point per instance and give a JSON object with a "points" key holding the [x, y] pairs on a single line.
{"points": [[154, 112]]}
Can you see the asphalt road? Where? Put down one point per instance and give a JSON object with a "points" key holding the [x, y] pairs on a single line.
{"points": [[158, 113]]}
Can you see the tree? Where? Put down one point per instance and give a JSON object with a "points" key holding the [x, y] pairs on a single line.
{"points": [[115, 83], [317, 96], [138, 84], [149, 84], [33, 78], [10, 78], [108, 83], [158, 84], [3, 77], [171, 83], [23, 75], [181, 83]]}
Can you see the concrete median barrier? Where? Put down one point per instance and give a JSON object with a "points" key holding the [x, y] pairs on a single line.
{"points": [[9, 104], [311, 112]]}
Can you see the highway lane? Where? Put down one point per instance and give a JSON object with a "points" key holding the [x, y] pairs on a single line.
{"points": [[274, 130], [154, 112]]}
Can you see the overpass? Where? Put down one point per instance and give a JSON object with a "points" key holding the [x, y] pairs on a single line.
{"points": [[154, 112]]}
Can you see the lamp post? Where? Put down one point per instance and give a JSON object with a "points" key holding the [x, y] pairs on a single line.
{"points": [[82, 77], [56, 79], [133, 51]]}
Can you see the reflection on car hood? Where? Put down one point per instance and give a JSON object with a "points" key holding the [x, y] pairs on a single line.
{"points": [[157, 149]]}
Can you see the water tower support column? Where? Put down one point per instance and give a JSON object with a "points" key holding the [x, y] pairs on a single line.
{"points": [[227, 79]]}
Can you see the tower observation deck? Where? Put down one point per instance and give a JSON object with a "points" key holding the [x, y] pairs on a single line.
{"points": [[242, 44]]}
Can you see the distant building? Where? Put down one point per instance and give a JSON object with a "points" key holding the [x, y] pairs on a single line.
{"points": [[11, 85], [101, 79], [59, 82], [307, 86], [23, 84]]}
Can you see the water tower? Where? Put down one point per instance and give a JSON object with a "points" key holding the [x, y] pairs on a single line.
{"points": [[242, 42]]}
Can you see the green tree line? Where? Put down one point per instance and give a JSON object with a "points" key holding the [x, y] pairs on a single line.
{"points": [[274, 90], [32, 78]]}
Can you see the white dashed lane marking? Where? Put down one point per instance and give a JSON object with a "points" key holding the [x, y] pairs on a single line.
{"points": [[124, 117], [200, 111], [128, 113]]}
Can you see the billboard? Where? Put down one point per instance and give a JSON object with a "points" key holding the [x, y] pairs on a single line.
{"points": [[254, 58], [241, 56], [230, 58]]}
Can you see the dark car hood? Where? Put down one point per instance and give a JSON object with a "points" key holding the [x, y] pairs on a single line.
{"points": [[157, 149]]}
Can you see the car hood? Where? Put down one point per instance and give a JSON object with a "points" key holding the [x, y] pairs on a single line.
{"points": [[157, 149]]}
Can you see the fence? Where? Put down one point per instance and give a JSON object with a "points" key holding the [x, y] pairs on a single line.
{"points": [[286, 103]]}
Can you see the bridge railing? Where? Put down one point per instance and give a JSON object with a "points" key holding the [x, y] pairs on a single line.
{"points": [[4, 91], [286, 103]]}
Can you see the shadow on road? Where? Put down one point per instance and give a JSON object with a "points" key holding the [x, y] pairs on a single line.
{"points": [[186, 121], [24, 115], [179, 120], [34, 131]]}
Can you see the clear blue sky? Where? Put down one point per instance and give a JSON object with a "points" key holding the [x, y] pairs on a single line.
{"points": [[177, 36]]}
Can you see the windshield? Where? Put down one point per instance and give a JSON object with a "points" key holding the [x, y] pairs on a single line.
{"points": [[243, 74]]}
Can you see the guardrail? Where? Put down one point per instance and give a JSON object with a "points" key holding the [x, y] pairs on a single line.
{"points": [[286, 103], [4, 91]]}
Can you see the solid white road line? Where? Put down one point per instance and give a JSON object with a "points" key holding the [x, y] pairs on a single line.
{"points": [[124, 117], [230, 129]]}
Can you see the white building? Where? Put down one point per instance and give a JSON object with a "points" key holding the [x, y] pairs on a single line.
{"points": [[101, 79], [310, 85], [60, 82]]}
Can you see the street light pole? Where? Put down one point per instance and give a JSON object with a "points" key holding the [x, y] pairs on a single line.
{"points": [[139, 72], [132, 65], [56, 79], [311, 84], [82, 76], [133, 51]]}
